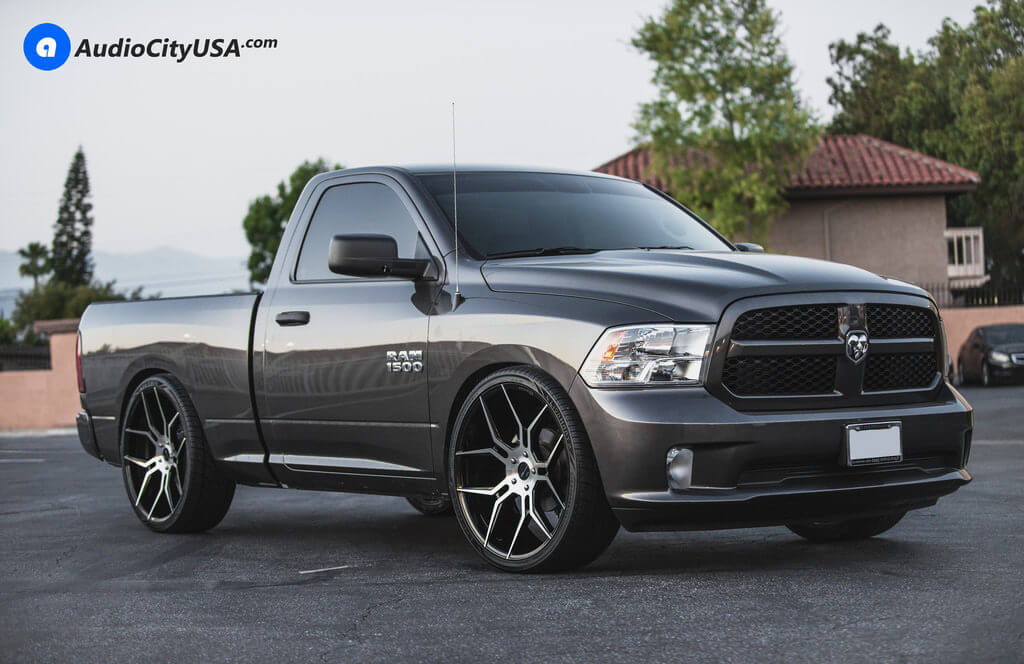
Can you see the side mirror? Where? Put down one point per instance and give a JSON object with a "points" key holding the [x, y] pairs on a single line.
{"points": [[976, 345], [375, 256], [750, 247]]}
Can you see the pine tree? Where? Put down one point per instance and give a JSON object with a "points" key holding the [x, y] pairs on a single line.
{"points": [[70, 256]]}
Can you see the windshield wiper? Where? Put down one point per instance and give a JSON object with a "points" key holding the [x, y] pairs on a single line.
{"points": [[542, 251], [668, 246]]}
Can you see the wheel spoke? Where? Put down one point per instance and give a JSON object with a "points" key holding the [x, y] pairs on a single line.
{"points": [[519, 422], [163, 418], [139, 462], [529, 430], [494, 516], [490, 427], [170, 425], [149, 418], [167, 491], [540, 522], [177, 482], [554, 493], [147, 434], [554, 450], [181, 446], [519, 527], [482, 490], [159, 494], [487, 450], [145, 483]]}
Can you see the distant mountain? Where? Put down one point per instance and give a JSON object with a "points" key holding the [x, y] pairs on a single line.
{"points": [[170, 272]]}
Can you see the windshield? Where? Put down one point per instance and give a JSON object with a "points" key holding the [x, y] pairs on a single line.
{"points": [[509, 213], [995, 336]]}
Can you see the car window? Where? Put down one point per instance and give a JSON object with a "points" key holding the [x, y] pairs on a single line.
{"points": [[512, 211], [365, 207]]}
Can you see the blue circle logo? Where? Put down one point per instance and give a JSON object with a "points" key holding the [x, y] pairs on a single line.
{"points": [[47, 46]]}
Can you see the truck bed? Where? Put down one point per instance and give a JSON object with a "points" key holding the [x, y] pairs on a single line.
{"points": [[205, 341]]}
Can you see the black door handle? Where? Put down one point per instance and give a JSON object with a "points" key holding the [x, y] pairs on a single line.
{"points": [[290, 318]]}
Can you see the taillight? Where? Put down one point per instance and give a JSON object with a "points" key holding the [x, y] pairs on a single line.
{"points": [[78, 365]]}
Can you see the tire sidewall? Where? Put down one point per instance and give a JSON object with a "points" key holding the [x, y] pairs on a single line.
{"points": [[519, 377]]}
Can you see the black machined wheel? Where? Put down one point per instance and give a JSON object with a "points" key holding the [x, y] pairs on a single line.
{"points": [[170, 478], [523, 481]]}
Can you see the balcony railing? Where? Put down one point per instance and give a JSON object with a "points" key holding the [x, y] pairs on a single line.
{"points": [[965, 253]]}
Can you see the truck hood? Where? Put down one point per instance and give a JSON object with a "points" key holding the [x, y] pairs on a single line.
{"points": [[683, 286]]}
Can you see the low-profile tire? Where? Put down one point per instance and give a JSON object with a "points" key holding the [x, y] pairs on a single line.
{"points": [[431, 505], [172, 483], [522, 477], [852, 529]]}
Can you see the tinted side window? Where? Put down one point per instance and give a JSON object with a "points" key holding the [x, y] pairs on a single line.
{"points": [[366, 207]]}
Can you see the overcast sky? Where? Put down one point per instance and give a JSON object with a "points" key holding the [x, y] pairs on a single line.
{"points": [[176, 151]]}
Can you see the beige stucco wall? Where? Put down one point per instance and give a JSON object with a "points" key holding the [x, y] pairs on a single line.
{"points": [[898, 236], [42, 399]]}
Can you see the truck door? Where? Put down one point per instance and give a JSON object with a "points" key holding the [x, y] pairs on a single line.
{"points": [[342, 388]]}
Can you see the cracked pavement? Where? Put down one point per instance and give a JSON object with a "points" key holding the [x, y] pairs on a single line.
{"points": [[82, 579]]}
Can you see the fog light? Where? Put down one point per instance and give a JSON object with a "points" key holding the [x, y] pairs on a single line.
{"points": [[679, 468]]}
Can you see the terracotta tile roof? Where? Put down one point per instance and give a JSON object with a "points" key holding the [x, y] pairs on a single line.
{"points": [[845, 164]]}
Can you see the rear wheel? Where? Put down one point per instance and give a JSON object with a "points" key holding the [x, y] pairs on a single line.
{"points": [[851, 529], [431, 505], [523, 480], [168, 472]]}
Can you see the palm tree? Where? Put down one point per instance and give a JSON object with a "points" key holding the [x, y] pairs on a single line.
{"points": [[36, 262]]}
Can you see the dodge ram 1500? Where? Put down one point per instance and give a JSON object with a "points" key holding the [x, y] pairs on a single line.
{"points": [[589, 354]]}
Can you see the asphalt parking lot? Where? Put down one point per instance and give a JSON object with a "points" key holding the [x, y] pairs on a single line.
{"points": [[82, 580]]}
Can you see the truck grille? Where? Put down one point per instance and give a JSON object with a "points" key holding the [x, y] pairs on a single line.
{"points": [[893, 321], [762, 376], [899, 371], [818, 321], [800, 351]]}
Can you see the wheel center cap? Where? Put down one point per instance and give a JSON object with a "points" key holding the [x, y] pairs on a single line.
{"points": [[524, 470]]}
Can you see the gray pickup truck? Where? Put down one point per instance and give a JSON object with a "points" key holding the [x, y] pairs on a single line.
{"points": [[591, 354]]}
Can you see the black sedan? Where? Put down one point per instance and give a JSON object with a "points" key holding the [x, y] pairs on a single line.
{"points": [[992, 353]]}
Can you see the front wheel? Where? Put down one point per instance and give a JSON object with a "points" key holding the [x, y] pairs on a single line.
{"points": [[851, 529], [522, 476], [169, 474], [986, 375]]}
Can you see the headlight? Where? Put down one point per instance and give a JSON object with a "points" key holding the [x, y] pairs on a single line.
{"points": [[648, 355], [998, 358]]}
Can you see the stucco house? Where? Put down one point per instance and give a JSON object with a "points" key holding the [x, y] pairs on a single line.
{"points": [[866, 202]]}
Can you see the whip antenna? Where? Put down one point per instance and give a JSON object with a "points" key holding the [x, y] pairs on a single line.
{"points": [[455, 206]]}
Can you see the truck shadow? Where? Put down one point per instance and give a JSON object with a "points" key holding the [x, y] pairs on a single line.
{"points": [[374, 532]]}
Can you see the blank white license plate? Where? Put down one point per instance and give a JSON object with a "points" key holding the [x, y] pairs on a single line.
{"points": [[874, 442]]}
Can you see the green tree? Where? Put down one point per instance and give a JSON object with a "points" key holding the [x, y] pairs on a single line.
{"points": [[58, 299], [36, 262], [70, 255], [8, 333], [267, 217], [727, 130], [960, 101]]}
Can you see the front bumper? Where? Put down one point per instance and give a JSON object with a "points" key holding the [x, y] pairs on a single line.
{"points": [[764, 468], [1006, 372]]}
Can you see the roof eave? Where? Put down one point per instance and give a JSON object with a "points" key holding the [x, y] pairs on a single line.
{"points": [[889, 190]]}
